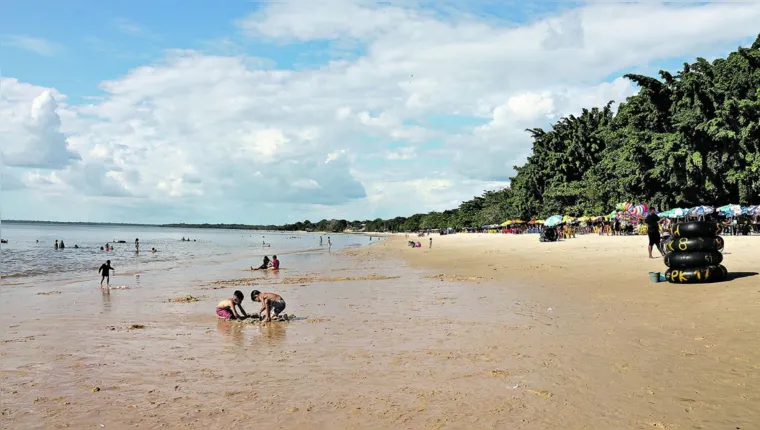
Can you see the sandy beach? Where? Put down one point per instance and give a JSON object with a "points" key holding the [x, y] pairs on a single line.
{"points": [[481, 331]]}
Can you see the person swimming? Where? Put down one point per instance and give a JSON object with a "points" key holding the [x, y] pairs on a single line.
{"points": [[269, 302], [226, 308]]}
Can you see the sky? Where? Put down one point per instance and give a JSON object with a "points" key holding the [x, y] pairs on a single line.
{"points": [[275, 112]]}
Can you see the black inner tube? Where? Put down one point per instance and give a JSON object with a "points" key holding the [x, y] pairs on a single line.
{"points": [[694, 244], [697, 275], [697, 229], [681, 260]]}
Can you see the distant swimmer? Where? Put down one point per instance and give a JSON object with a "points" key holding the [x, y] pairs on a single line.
{"points": [[105, 272], [61, 245], [76, 246], [153, 250], [226, 308], [270, 302], [264, 264]]}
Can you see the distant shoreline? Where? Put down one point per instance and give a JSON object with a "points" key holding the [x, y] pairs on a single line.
{"points": [[271, 228]]}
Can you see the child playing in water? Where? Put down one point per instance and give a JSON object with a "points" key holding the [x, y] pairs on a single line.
{"points": [[226, 308], [105, 272], [269, 302]]}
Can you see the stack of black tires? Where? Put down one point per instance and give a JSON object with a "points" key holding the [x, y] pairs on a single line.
{"points": [[549, 234], [693, 254]]}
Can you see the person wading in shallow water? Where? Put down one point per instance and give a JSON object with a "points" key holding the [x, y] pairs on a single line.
{"points": [[264, 264], [105, 272]]}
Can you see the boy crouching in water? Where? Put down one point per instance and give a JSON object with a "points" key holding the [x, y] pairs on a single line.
{"points": [[269, 302], [226, 308]]}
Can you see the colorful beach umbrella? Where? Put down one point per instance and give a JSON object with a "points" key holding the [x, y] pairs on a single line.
{"points": [[553, 220]]}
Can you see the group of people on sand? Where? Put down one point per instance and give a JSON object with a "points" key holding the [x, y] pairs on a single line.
{"points": [[271, 303], [267, 264]]}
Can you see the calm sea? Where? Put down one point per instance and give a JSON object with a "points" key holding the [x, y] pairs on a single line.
{"points": [[29, 255]]}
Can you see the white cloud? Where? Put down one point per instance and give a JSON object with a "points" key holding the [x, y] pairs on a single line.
{"points": [[198, 131], [406, 153], [33, 44], [41, 145]]}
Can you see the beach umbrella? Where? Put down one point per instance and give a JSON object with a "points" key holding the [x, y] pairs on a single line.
{"points": [[518, 221], [724, 209], [567, 218], [701, 210], [553, 220], [539, 221], [506, 223]]}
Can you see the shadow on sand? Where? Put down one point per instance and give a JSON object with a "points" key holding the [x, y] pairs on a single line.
{"points": [[738, 275]]}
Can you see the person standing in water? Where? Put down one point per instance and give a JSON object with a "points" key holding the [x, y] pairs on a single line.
{"points": [[105, 272], [329, 244], [320, 240], [56, 244], [137, 245]]}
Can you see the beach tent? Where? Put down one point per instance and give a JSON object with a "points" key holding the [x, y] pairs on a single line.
{"points": [[553, 220]]}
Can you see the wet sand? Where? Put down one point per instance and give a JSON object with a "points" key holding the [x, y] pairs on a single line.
{"points": [[479, 332]]}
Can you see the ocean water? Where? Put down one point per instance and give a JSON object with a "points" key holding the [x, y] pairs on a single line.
{"points": [[30, 257]]}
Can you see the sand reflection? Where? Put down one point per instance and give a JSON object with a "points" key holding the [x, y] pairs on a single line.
{"points": [[231, 331]]}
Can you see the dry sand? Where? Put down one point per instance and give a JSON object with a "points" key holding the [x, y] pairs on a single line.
{"points": [[482, 331]]}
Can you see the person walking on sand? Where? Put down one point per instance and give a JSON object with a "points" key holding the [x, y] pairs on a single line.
{"points": [[653, 231], [104, 271], [431, 243]]}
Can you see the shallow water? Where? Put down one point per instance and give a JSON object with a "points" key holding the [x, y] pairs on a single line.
{"points": [[29, 252]]}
